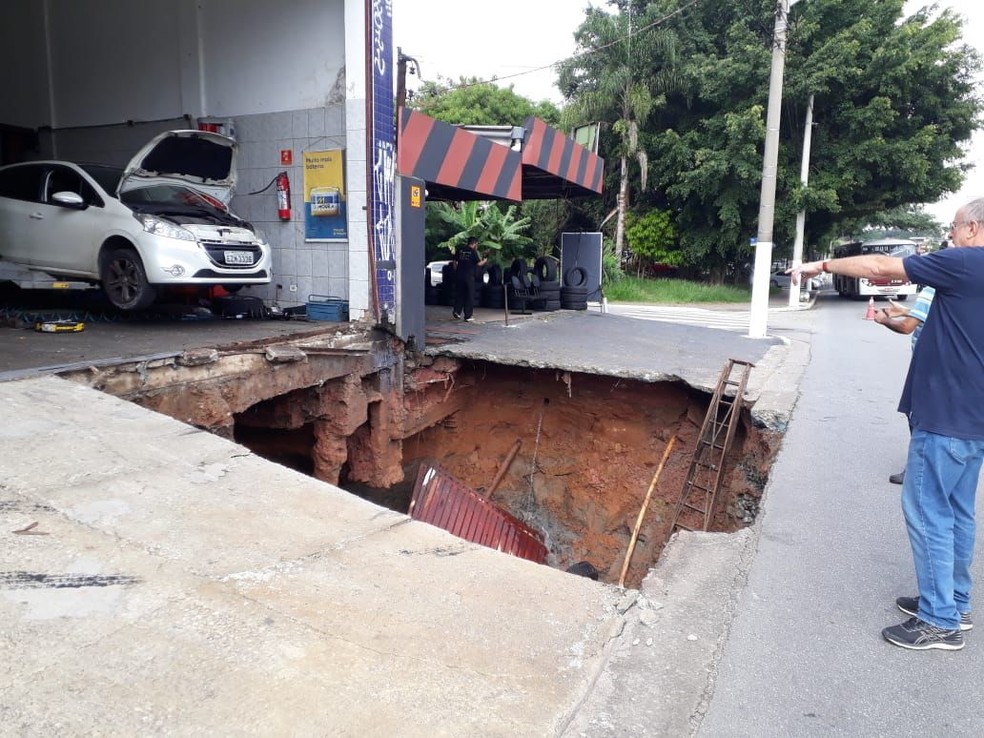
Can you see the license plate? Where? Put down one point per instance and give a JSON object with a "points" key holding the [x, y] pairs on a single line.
{"points": [[238, 257]]}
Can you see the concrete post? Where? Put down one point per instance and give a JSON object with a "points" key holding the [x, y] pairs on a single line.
{"points": [[767, 200], [794, 289]]}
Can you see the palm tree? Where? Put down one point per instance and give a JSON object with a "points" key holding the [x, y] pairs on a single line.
{"points": [[623, 71], [495, 229]]}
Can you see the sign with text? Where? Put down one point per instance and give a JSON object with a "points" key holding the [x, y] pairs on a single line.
{"points": [[382, 159], [325, 215]]}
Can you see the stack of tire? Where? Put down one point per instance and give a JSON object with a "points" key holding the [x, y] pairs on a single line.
{"points": [[574, 293], [491, 294], [545, 279], [446, 294], [432, 292]]}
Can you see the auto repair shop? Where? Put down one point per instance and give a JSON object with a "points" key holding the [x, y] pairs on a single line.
{"points": [[295, 84]]}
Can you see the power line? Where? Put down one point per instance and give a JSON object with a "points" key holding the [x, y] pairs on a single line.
{"points": [[574, 57]]}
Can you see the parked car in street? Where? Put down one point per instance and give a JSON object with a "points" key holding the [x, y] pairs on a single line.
{"points": [[780, 279], [162, 221], [436, 271]]}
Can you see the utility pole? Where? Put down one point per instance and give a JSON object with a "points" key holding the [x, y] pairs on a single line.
{"points": [[767, 199], [794, 289]]}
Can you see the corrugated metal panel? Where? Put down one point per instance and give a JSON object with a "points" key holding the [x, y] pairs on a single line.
{"points": [[443, 501]]}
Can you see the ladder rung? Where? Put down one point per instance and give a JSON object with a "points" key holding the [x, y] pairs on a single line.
{"points": [[721, 417]]}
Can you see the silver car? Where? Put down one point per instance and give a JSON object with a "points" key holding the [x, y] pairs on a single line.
{"points": [[780, 279], [162, 221]]}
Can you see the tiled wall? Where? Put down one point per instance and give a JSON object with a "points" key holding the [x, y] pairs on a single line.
{"points": [[300, 268], [310, 268]]}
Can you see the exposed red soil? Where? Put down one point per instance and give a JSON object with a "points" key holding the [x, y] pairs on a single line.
{"points": [[590, 448]]}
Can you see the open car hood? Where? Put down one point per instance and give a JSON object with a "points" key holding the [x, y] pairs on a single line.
{"points": [[198, 159]]}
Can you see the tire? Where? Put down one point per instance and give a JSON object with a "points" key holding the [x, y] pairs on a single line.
{"points": [[492, 297], [549, 290], [901, 298], [577, 294], [232, 306], [124, 280], [546, 269], [518, 267], [773, 283], [495, 274], [575, 277]]}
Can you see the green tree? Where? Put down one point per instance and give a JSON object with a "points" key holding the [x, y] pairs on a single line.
{"points": [[902, 222], [471, 102], [547, 220], [652, 240], [894, 100], [498, 230], [623, 68]]}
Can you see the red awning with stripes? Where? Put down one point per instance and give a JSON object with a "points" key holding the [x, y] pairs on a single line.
{"points": [[459, 165], [553, 162], [456, 164]]}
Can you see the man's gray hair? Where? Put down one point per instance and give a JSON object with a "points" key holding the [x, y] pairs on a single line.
{"points": [[974, 210]]}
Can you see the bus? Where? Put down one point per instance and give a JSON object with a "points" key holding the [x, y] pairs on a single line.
{"points": [[859, 287]]}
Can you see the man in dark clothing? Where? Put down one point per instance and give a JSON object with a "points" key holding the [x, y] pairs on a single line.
{"points": [[466, 261], [944, 400]]}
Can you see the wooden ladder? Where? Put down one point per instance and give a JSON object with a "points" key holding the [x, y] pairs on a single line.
{"points": [[696, 504]]}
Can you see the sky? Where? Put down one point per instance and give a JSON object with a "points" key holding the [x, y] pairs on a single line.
{"points": [[455, 38]]}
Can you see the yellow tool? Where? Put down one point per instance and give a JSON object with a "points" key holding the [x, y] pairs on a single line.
{"points": [[59, 326]]}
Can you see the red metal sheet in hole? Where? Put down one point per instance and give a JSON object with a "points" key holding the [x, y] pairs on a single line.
{"points": [[443, 501]]}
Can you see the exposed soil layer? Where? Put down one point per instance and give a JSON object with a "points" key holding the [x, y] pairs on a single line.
{"points": [[590, 446]]}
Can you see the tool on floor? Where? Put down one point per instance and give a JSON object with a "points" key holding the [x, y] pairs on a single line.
{"points": [[695, 508], [59, 326], [642, 511]]}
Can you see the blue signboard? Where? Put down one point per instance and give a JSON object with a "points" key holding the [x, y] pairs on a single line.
{"points": [[382, 152]]}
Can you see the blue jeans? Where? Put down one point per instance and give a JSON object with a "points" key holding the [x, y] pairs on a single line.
{"points": [[938, 503]]}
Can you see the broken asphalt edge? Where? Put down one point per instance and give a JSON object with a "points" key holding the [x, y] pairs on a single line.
{"points": [[659, 676]]}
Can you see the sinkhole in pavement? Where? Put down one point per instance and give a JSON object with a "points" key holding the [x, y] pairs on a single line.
{"points": [[589, 447]]}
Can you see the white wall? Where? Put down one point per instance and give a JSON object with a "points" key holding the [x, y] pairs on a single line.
{"points": [[24, 89], [263, 57], [277, 67], [113, 60]]}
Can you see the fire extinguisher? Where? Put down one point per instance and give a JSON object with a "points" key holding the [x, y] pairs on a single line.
{"points": [[283, 196]]}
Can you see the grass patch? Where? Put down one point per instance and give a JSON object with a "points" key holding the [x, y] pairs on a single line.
{"points": [[634, 289]]}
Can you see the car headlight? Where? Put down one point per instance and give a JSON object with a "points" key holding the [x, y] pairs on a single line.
{"points": [[161, 227]]}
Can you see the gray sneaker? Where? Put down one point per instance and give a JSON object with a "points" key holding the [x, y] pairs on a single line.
{"points": [[919, 635], [910, 606]]}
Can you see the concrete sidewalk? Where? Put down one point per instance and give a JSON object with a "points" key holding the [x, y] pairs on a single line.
{"points": [[157, 579], [173, 583]]}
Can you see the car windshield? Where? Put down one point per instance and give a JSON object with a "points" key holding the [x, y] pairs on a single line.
{"points": [[175, 199], [903, 251], [106, 177]]}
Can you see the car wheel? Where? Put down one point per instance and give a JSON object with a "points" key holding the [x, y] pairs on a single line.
{"points": [[774, 283], [124, 280]]}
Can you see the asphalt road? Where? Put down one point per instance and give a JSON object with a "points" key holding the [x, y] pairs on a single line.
{"points": [[805, 656]]}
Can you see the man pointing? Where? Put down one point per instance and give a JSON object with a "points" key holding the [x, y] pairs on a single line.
{"points": [[943, 397]]}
